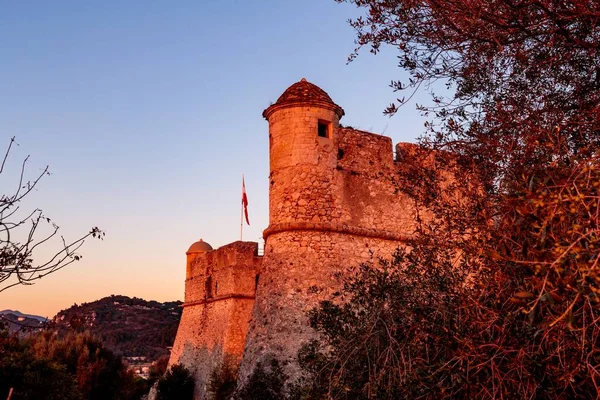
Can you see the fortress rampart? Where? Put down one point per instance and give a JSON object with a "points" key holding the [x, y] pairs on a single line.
{"points": [[333, 204], [219, 297]]}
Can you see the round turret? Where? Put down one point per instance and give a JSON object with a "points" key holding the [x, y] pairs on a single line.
{"points": [[196, 249], [199, 247], [304, 93], [303, 148]]}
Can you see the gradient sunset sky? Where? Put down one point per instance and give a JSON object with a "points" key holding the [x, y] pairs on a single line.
{"points": [[149, 112]]}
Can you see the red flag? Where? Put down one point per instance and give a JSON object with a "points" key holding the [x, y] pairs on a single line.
{"points": [[245, 201]]}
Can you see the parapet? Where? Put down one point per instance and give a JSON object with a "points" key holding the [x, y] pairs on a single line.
{"points": [[227, 272], [364, 152]]}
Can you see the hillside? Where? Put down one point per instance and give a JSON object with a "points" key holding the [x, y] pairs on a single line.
{"points": [[131, 327]]}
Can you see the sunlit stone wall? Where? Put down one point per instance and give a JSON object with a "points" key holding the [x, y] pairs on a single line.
{"points": [[219, 298], [334, 203]]}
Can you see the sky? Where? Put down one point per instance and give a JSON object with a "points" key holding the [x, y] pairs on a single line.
{"points": [[149, 112]]}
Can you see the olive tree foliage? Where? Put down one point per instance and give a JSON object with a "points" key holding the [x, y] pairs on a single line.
{"points": [[507, 176], [388, 331], [23, 232]]}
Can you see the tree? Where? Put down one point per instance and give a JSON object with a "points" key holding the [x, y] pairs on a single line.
{"points": [[21, 234], [507, 175], [76, 366], [390, 332], [99, 373], [29, 377]]}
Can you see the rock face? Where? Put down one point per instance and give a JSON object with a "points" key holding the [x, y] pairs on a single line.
{"points": [[333, 204]]}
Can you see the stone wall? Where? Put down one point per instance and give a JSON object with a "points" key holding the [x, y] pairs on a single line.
{"points": [[327, 218], [356, 190], [302, 165], [219, 298], [229, 270], [366, 180], [300, 269]]}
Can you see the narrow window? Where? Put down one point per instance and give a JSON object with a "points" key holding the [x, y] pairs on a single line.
{"points": [[208, 288], [323, 129]]}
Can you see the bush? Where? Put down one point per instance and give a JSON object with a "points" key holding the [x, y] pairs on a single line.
{"points": [[177, 384], [223, 381], [158, 368], [265, 383], [428, 327], [387, 334]]}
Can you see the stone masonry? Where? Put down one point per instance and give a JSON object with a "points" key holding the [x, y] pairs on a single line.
{"points": [[219, 296], [333, 204]]}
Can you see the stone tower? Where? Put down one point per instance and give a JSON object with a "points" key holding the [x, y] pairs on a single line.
{"points": [[219, 296], [303, 142], [332, 205]]}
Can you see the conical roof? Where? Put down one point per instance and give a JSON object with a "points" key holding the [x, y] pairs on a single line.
{"points": [[304, 93]]}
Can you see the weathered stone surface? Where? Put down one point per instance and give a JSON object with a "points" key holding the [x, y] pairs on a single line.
{"points": [[333, 204], [299, 270], [219, 297]]}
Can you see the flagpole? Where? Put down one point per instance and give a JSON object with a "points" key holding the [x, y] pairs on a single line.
{"points": [[242, 209]]}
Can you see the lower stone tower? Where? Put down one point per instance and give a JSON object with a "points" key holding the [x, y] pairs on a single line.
{"points": [[219, 296]]}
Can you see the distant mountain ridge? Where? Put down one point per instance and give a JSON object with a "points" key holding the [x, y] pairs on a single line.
{"points": [[131, 327], [20, 314], [19, 323]]}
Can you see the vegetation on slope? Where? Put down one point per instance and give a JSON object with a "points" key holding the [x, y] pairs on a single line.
{"points": [[75, 367], [130, 327]]}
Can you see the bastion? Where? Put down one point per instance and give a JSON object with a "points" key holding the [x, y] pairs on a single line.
{"points": [[333, 204]]}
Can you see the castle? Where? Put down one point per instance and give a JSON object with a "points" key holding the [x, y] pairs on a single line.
{"points": [[333, 204]]}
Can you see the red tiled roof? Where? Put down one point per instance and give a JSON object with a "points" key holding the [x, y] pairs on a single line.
{"points": [[304, 92]]}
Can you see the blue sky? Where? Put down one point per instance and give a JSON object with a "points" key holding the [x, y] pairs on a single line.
{"points": [[149, 112]]}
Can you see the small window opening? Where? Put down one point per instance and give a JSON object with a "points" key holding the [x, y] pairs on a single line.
{"points": [[323, 129], [256, 278], [216, 288]]}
